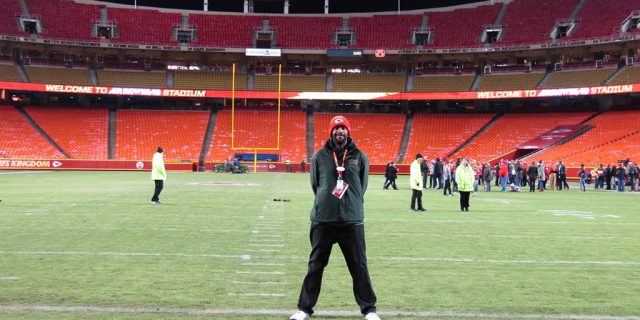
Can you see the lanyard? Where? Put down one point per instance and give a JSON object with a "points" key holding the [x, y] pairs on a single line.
{"points": [[339, 168]]}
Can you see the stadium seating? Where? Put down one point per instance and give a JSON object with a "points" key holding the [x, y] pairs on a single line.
{"points": [[461, 27], [140, 132], [513, 129], [626, 75], [258, 129], [8, 73], [78, 76], [81, 133], [132, 79], [21, 140], [508, 81], [304, 32], [575, 78], [10, 10], [56, 16], [290, 83], [601, 18], [531, 21], [525, 22], [384, 31], [353, 82], [443, 83], [614, 136], [378, 135], [208, 80], [234, 31], [437, 135], [144, 26]]}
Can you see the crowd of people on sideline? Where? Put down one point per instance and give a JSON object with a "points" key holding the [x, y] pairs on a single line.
{"points": [[539, 176]]}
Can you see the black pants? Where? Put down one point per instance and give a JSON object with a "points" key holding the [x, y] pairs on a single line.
{"points": [[156, 192], [532, 185], [350, 238], [464, 199], [392, 182], [416, 195], [447, 186], [563, 182]]}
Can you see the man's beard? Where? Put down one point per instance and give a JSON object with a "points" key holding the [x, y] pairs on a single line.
{"points": [[339, 139]]}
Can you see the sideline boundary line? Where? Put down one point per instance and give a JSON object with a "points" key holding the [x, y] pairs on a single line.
{"points": [[286, 313]]}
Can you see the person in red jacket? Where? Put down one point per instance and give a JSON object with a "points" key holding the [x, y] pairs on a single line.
{"points": [[503, 174]]}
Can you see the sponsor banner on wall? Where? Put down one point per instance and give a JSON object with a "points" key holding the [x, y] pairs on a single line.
{"points": [[72, 164]]}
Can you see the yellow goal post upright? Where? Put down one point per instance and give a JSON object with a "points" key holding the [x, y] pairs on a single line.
{"points": [[233, 115]]}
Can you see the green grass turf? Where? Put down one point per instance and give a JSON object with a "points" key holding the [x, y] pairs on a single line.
{"points": [[93, 239]]}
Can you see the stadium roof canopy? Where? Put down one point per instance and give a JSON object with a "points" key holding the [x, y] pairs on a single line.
{"points": [[302, 6]]}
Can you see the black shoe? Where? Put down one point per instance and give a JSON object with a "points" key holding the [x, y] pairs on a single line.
{"points": [[466, 209], [421, 209]]}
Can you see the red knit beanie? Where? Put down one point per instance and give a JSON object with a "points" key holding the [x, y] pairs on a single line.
{"points": [[339, 121]]}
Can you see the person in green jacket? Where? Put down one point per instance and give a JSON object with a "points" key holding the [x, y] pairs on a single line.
{"points": [[158, 174], [339, 177], [416, 180], [465, 179]]}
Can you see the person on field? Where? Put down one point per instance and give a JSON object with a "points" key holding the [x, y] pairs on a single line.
{"points": [[582, 175], [487, 175], [424, 166], [158, 174], [532, 174], [504, 175], [416, 182], [620, 174], [392, 175], [339, 176], [541, 176], [562, 176], [446, 176], [465, 179]]}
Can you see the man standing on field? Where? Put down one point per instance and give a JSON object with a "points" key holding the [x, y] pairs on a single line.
{"points": [[339, 177], [158, 174]]}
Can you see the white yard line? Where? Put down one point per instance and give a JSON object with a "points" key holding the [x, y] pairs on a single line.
{"points": [[268, 283], [265, 245], [257, 294], [320, 313], [304, 258], [267, 273]]}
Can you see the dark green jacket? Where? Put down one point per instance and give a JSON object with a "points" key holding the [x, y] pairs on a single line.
{"points": [[327, 208]]}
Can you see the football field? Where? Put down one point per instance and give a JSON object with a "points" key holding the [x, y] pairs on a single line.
{"points": [[89, 245]]}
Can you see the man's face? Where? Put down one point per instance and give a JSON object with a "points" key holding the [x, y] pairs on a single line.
{"points": [[340, 134]]}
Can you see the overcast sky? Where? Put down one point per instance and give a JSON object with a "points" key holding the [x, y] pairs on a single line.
{"points": [[300, 6]]}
